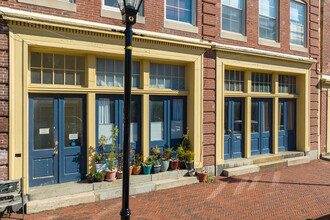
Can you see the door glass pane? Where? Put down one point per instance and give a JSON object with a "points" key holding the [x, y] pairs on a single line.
{"points": [[291, 115], [106, 118], [238, 117], [226, 116], [281, 116], [134, 122], [157, 121], [255, 116], [177, 119], [73, 122], [43, 121], [267, 116]]}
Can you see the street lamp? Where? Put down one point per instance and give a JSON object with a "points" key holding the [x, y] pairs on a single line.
{"points": [[128, 9]]}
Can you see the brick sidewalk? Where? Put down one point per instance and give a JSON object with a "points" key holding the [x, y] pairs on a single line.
{"points": [[296, 192]]}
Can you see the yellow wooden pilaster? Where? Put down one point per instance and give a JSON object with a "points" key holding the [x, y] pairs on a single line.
{"points": [[219, 125], [91, 131], [145, 126], [247, 127]]}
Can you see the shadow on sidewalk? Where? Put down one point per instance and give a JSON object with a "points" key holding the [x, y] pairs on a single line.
{"points": [[236, 180], [326, 217]]}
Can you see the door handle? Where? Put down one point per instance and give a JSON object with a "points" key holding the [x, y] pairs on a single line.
{"points": [[229, 138], [229, 131], [55, 152]]}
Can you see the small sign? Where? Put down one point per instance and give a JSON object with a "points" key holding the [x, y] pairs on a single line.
{"points": [[73, 136], [44, 131]]}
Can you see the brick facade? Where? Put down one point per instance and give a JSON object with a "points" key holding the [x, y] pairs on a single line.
{"points": [[4, 100]]}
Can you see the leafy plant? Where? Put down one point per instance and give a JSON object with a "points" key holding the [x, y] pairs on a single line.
{"points": [[112, 156], [180, 152], [189, 156], [156, 151], [90, 174], [98, 175], [157, 163], [148, 163], [167, 153], [100, 157], [138, 160], [185, 143], [209, 179]]}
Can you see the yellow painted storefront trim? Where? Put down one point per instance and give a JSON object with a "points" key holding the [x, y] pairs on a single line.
{"points": [[248, 63], [24, 39]]}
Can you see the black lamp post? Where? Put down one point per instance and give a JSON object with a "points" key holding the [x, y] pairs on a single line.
{"points": [[129, 9]]}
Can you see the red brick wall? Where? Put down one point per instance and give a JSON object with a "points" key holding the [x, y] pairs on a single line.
{"points": [[325, 13], [209, 108], [4, 107], [313, 24], [323, 122]]}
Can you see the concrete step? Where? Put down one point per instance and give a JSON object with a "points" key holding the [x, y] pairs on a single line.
{"points": [[297, 160], [237, 162], [266, 158], [171, 183], [325, 156], [272, 165], [291, 154], [168, 175], [235, 171], [59, 202]]}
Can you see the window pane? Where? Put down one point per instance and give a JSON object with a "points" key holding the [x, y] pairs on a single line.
{"points": [[281, 115], [59, 77], [153, 69], [110, 66], [177, 119], [231, 19], [291, 115], [100, 79], [110, 79], [185, 16], [111, 3], [238, 117], [226, 116], [152, 82], [134, 122], [168, 70], [136, 67], [267, 28], [181, 83], [185, 4], [80, 63], [167, 83], [160, 70], [157, 120], [35, 76], [233, 3], [297, 23], [35, 59], [255, 116], [267, 114], [59, 61], [73, 122], [119, 80], [268, 8], [47, 60], [69, 78], [172, 13], [80, 78], [172, 3], [100, 65], [136, 81], [69, 62], [47, 77], [160, 82], [106, 118], [119, 66]]}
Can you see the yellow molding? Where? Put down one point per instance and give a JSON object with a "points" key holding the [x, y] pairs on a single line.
{"points": [[145, 126], [328, 123], [247, 127], [91, 138]]}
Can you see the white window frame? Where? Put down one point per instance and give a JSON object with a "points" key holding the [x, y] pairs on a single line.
{"points": [[294, 46], [193, 14], [243, 18], [276, 21], [57, 4]]}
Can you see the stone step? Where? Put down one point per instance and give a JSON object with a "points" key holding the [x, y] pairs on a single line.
{"points": [[291, 154], [171, 183], [272, 165], [168, 175], [325, 156], [235, 171], [297, 160], [59, 202], [266, 158]]}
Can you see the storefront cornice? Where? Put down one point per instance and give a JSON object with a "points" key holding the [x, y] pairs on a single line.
{"points": [[43, 19], [262, 53], [325, 79]]}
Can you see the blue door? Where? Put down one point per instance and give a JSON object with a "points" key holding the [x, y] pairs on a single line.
{"points": [[261, 126], [57, 139], [286, 125], [234, 128], [168, 121], [110, 113]]}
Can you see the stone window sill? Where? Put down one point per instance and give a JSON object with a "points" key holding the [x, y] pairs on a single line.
{"points": [[180, 26], [298, 48], [108, 13], [233, 36], [57, 4], [269, 43]]}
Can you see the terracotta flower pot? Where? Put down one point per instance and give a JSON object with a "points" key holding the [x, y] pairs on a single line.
{"points": [[137, 170], [119, 174], [110, 175], [100, 180], [202, 176], [130, 170], [174, 164]]}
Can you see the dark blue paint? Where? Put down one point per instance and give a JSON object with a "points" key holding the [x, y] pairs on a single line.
{"points": [[286, 137]]}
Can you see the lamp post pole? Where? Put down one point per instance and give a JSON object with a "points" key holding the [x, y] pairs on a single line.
{"points": [[126, 212]]}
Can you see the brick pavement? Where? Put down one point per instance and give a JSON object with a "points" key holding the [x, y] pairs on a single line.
{"points": [[296, 192]]}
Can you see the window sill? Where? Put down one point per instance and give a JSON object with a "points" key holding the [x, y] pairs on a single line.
{"points": [[233, 36], [108, 13], [298, 48], [57, 4], [180, 26], [269, 43]]}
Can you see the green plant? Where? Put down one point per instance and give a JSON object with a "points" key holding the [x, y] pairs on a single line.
{"points": [[155, 151], [100, 157], [112, 156], [167, 153], [98, 175], [90, 174], [209, 179], [180, 152], [185, 143], [189, 156], [148, 163], [157, 163], [138, 160]]}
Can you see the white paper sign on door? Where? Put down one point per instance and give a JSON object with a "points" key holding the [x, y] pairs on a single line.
{"points": [[73, 136], [44, 131]]}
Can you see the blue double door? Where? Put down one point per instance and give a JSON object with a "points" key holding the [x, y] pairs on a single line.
{"points": [[234, 128], [261, 126], [57, 139], [286, 125]]}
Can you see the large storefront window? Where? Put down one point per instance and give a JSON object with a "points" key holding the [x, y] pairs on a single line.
{"points": [[59, 69], [234, 80], [261, 82], [287, 84], [166, 76]]}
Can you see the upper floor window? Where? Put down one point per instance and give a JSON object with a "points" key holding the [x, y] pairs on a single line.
{"points": [[60, 69], [297, 23], [113, 5], [166, 76], [110, 73], [234, 80], [233, 16], [180, 10], [268, 19]]}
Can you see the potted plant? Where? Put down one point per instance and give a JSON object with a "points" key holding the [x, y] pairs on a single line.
{"points": [[155, 159], [90, 177], [165, 163], [202, 175], [119, 173], [137, 164], [99, 176], [146, 166], [156, 166], [181, 155], [131, 158], [174, 162], [100, 162], [189, 156], [111, 161]]}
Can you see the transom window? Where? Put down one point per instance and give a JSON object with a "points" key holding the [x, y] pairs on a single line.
{"points": [[110, 73], [287, 84], [268, 19], [297, 23], [179, 10], [166, 76], [113, 5], [60, 69], [233, 16], [261, 82], [234, 80]]}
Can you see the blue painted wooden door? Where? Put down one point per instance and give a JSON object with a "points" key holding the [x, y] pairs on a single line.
{"points": [[57, 139], [167, 121], [110, 113], [261, 126], [287, 125], [234, 128]]}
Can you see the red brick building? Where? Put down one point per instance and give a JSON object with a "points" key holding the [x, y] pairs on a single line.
{"points": [[248, 86]]}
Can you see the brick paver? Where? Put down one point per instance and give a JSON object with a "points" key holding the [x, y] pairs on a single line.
{"points": [[296, 192]]}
